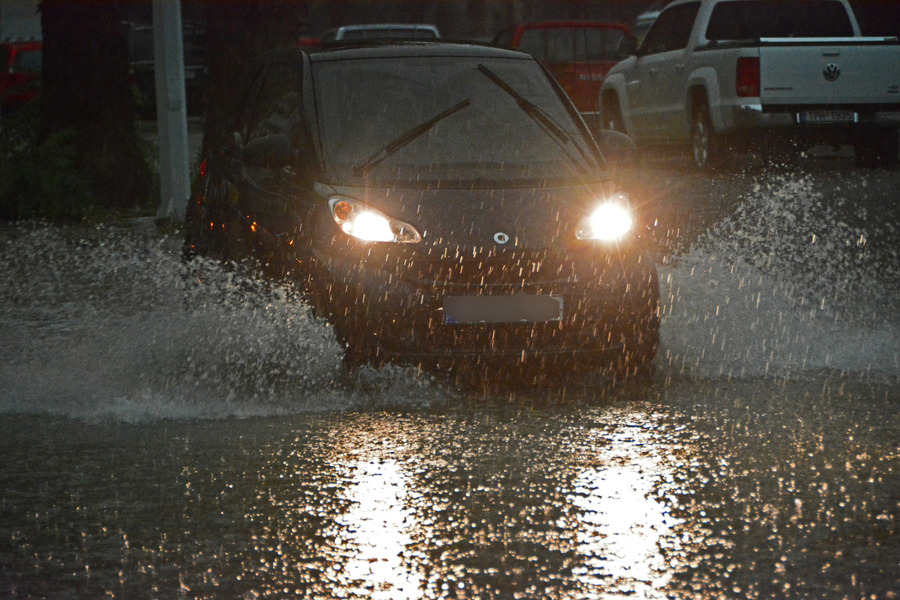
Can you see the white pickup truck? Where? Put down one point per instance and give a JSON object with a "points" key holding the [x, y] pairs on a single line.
{"points": [[724, 75]]}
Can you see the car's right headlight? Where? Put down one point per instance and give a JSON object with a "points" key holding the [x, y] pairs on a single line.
{"points": [[365, 223], [610, 221]]}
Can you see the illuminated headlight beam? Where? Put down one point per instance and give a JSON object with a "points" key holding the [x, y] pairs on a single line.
{"points": [[610, 221], [367, 224]]}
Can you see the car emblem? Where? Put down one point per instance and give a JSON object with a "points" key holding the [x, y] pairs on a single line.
{"points": [[501, 238], [831, 72]]}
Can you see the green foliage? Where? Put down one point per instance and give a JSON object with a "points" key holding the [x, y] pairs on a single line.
{"points": [[39, 179]]}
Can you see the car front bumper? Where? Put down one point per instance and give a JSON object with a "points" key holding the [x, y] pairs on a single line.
{"points": [[395, 305]]}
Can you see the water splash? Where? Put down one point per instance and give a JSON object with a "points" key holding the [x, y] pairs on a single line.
{"points": [[797, 280], [106, 323]]}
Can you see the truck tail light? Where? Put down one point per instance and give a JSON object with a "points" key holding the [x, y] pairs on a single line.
{"points": [[748, 77]]}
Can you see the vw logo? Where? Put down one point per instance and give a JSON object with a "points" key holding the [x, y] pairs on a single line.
{"points": [[831, 72], [501, 238]]}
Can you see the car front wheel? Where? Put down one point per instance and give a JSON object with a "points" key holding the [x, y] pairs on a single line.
{"points": [[612, 114]]}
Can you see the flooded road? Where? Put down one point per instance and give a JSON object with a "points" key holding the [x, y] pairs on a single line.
{"points": [[684, 489], [185, 431]]}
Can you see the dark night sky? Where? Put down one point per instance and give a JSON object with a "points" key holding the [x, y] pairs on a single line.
{"points": [[485, 17]]}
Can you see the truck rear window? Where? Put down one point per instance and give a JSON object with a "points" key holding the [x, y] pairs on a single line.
{"points": [[755, 19]]}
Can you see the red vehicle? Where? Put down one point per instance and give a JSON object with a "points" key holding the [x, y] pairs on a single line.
{"points": [[577, 53], [20, 73]]}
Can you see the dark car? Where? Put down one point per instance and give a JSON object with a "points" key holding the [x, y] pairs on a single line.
{"points": [[142, 67], [382, 31], [440, 204], [21, 65], [372, 32], [577, 53]]}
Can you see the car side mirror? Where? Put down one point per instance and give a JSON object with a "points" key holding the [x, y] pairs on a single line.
{"points": [[628, 46], [268, 152], [616, 147]]}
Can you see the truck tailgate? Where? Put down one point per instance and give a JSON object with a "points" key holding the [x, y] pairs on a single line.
{"points": [[830, 72]]}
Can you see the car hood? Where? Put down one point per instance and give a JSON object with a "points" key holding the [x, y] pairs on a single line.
{"points": [[527, 217]]}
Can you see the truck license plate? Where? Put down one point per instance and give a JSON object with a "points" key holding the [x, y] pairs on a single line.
{"points": [[502, 309], [827, 116]]}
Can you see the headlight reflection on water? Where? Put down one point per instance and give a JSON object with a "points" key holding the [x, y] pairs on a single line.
{"points": [[465, 509], [412, 526], [622, 526], [377, 526]]}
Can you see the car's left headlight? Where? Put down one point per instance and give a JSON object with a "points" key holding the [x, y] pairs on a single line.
{"points": [[610, 221], [365, 223]]}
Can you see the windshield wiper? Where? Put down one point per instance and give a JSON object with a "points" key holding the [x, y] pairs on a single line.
{"points": [[406, 138], [527, 106], [536, 114]]}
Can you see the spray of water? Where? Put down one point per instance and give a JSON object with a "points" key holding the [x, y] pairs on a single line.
{"points": [[107, 323], [790, 284]]}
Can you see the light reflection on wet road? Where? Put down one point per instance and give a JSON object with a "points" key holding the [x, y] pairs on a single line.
{"points": [[622, 524], [379, 525], [682, 489]]}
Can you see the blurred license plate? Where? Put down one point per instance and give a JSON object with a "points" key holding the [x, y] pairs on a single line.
{"points": [[502, 309], [827, 116]]}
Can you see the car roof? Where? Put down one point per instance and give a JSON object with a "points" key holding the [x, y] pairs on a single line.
{"points": [[411, 49], [340, 33], [379, 26], [573, 24]]}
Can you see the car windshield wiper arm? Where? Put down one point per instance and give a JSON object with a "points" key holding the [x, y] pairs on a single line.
{"points": [[407, 137], [527, 106], [536, 114]]}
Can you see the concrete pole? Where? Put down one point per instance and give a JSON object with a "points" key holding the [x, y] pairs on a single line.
{"points": [[171, 111]]}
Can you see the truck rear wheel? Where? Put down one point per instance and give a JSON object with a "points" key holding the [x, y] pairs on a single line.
{"points": [[706, 146]]}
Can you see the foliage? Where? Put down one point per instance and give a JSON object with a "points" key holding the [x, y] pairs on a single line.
{"points": [[39, 179], [85, 87]]}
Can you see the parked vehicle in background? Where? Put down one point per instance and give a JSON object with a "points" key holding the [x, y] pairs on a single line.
{"points": [[643, 22], [309, 42], [577, 53], [142, 65], [727, 75], [441, 204], [21, 65], [382, 31]]}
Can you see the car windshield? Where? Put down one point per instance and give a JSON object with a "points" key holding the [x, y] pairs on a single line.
{"points": [[428, 119]]}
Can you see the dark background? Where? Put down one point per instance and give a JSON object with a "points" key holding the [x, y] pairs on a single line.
{"points": [[88, 106], [457, 19], [481, 19]]}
